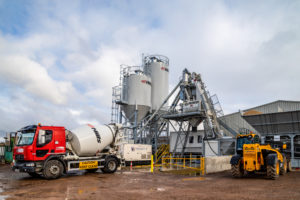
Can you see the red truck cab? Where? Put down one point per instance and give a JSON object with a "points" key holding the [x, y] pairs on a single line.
{"points": [[41, 151], [37, 144]]}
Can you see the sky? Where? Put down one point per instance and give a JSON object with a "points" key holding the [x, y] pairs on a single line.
{"points": [[60, 59]]}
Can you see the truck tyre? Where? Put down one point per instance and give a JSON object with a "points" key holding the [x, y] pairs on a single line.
{"points": [[53, 169], [283, 168], [111, 165], [237, 170], [34, 175], [92, 170], [274, 168]]}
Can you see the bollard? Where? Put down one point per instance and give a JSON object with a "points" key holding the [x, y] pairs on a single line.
{"points": [[152, 164]]}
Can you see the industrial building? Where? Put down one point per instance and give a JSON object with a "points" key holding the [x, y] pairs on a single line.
{"points": [[236, 121]]}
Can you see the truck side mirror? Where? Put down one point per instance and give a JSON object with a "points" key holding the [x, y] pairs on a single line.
{"points": [[41, 137]]}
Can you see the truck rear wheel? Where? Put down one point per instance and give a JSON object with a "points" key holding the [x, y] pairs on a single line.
{"points": [[53, 169], [237, 170], [283, 168], [111, 165], [273, 169]]}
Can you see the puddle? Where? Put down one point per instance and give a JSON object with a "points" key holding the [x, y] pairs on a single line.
{"points": [[161, 189], [2, 197], [194, 179]]}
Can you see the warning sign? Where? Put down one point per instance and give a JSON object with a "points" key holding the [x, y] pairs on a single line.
{"points": [[88, 165]]}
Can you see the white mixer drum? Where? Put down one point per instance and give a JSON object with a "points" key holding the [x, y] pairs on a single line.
{"points": [[88, 140]]}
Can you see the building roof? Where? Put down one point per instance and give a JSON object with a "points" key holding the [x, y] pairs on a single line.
{"points": [[265, 107]]}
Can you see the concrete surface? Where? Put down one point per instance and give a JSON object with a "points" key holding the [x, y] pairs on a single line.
{"points": [[217, 164], [144, 185]]}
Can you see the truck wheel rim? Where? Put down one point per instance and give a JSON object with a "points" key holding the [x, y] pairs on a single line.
{"points": [[54, 169], [111, 165]]}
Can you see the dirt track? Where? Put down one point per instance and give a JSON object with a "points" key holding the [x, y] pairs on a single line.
{"points": [[143, 185]]}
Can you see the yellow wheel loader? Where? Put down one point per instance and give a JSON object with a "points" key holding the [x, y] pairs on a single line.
{"points": [[253, 157]]}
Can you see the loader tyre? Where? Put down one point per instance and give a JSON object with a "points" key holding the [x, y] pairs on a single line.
{"points": [[237, 170], [289, 166], [283, 168], [111, 165], [53, 169], [273, 170]]}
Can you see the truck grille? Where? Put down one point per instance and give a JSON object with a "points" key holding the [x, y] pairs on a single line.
{"points": [[19, 157]]}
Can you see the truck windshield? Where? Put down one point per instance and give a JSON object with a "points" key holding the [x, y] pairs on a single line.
{"points": [[25, 137]]}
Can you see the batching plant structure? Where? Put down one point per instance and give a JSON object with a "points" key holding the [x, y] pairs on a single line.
{"points": [[140, 104]]}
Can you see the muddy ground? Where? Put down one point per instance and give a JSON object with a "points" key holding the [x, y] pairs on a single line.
{"points": [[144, 185]]}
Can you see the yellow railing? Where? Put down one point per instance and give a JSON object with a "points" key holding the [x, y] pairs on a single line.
{"points": [[175, 163]]}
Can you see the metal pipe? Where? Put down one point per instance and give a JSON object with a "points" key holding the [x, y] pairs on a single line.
{"points": [[165, 101]]}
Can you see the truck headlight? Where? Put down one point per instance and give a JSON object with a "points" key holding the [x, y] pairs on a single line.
{"points": [[29, 164], [20, 150]]}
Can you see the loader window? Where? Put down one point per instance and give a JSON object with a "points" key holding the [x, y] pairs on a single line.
{"points": [[241, 141], [44, 137]]}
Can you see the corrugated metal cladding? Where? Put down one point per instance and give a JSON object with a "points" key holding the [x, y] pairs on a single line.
{"points": [[276, 123], [235, 121]]}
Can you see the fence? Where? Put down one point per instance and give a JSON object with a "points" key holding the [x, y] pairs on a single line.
{"points": [[188, 163]]}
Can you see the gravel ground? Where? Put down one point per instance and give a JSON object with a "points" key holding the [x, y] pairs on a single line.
{"points": [[144, 185]]}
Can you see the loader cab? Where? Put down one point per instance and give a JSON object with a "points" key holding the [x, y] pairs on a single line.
{"points": [[245, 139]]}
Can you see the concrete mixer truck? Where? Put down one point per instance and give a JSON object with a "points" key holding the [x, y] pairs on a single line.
{"points": [[50, 151]]}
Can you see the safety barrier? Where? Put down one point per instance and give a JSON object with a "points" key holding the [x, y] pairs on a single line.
{"points": [[169, 163], [177, 163]]}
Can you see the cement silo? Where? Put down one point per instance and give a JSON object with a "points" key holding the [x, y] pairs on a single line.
{"points": [[157, 68], [136, 95]]}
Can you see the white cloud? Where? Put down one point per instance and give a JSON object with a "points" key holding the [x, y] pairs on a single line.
{"points": [[68, 57], [25, 73]]}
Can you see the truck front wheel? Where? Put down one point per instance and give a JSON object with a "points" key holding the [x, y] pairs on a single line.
{"points": [[111, 165], [53, 169]]}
